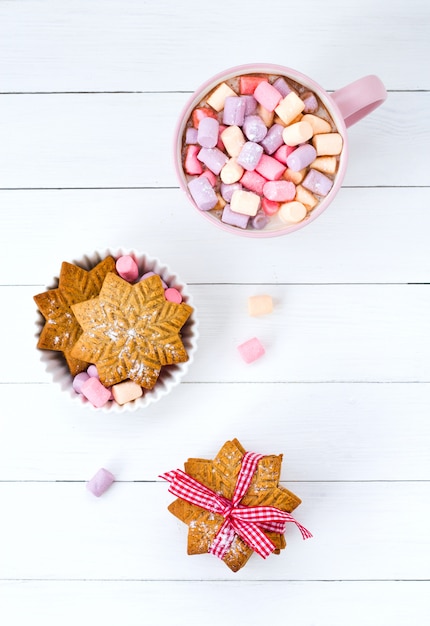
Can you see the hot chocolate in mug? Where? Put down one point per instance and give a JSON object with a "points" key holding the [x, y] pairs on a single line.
{"points": [[261, 150]]}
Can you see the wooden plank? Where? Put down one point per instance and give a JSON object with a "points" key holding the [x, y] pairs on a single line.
{"points": [[362, 531], [184, 603], [362, 238], [325, 431], [316, 333], [105, 140], [109, 46]]}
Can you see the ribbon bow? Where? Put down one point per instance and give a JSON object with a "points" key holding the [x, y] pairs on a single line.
{"points": [[247, 522]]}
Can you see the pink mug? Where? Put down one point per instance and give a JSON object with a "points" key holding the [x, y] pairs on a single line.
{"points": [[345, 107]]}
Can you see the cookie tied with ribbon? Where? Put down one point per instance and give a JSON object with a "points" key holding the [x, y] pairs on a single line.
{"points": [[233, 505]]}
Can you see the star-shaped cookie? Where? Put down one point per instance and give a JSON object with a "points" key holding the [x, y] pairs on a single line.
{"points": [[130, 331], [220, 475], [61, 329]]}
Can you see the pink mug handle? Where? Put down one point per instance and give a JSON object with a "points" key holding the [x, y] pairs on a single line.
{"points": [[359, 98]]}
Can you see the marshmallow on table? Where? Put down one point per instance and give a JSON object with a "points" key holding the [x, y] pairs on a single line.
{"points": [[100, 482], [260, 305], [251, 350], [127, 268]]}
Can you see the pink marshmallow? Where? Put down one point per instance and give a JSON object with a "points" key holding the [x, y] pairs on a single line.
{"points": [[127, 268], [95, 392], [253, 182], [251, 350], [267, 95], [173, 295], [270, 168], [279, 190], [100, 482], [192, 165]]}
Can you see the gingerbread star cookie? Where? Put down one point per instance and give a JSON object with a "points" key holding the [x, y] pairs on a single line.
{"points": [[220, 475], [61, 329], [130, 331]]}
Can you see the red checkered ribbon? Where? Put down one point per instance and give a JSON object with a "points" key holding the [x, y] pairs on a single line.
{"points": [[247, 522]]}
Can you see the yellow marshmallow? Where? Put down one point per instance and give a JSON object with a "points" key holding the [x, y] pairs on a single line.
{"points": [[290, 107], [217, 98], [233, 140]]}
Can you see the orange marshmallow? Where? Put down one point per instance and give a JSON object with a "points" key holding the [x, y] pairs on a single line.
{"points": [[328, 144], [233, 140], [297, 133], [318, 123], [292, 212], [325, 164], [266, 116], [260, 305], [217, 98], [294, 177], [306, 197], [231, 172], [126, 391], [290, 107]]}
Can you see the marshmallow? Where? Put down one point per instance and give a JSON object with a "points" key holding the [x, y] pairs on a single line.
{"points": [[318, 123], [231, 172], [297, 133], [305, 197], [248, 84], [254, 128], [317, 182], [270, 168], [173, 295], [273, 140], [127, 268], [126, 391], [213, 158], [279, 190], [311, 103], [200, 113], [325, 164], [282, 86], [234, 219], [95, 392], [250, 104], [100, 482], [270, 207], [192, 165], [217, 98], [260, 220], [292, 212], [191, 135], [207, 133], [251, 350], [227, 190], [233, 140], [290, 107], [328, 144], [92, 371], [260, 305], [234, 111], [245, 202], [250, 155], [79, 380], [253, 182], [267, 95], [301, 157], [203, 193]]}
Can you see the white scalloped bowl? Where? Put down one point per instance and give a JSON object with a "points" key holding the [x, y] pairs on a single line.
{"points": [[170, 376]]}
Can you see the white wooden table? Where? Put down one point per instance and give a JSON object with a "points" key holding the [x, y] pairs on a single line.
{"points": [[90, 95]]}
